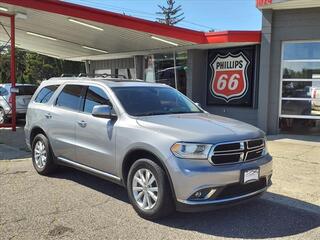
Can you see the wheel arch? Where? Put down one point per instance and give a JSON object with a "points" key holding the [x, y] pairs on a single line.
{"points": [[135, 154], [34, 132]]}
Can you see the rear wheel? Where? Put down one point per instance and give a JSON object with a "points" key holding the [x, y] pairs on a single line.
{"points": [[2, 116], [149, 190], [42, 156]]}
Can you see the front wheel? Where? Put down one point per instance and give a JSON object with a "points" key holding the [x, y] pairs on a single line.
{"points": [[149, 190]]}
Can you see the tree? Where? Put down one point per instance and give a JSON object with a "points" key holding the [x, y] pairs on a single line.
{"points": [[171, 15], [33, 68]]}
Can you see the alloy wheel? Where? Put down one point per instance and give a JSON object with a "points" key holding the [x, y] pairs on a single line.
{"points": [[145, 189], [40, 154], [1, 116]]}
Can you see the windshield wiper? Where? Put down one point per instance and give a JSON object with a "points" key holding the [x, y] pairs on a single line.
{"points": [[152, 114], [182, 112]]}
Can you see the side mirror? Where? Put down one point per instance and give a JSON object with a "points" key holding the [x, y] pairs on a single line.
{"points": [[103, 111]]}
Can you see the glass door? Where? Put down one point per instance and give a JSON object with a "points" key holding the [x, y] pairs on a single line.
{"points": [[300, 87]]}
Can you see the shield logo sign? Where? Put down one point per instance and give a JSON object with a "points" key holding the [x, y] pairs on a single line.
{"points": [[229, 76]]}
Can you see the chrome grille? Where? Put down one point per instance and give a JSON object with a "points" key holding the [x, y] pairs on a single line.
{"points": [[235, 152]]}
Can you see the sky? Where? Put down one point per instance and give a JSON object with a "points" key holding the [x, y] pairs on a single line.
{"points": [[200, 15]]}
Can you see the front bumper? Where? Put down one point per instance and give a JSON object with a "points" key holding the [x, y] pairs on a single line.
{"points": [[190, 176]]}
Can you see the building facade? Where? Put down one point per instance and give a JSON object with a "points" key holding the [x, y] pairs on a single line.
{"points": [[268, 78], [282, 76]]}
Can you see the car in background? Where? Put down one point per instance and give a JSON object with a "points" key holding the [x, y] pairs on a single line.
{"points": [[23, 97]]}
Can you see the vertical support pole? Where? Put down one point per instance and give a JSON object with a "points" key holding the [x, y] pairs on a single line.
{"points": [[87, 66], [13, 72], [175, 70]]}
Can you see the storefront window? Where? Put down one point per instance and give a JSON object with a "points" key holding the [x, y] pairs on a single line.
{"points": [[301, 70], [300, 85], [181, 71], [167, 68], [128, 73], [301, 51]]}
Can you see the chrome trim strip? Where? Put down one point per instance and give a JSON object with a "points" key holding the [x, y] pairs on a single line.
{"points": [[209, 195], [230, 151], [226, 154], [236, 151], [222, 200], [108, 175]]}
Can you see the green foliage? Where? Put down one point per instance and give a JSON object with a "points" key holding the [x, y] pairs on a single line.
{"points": [[33, 68], [170, 14]]}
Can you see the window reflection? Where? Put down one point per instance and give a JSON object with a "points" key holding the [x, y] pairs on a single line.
{"points": [[300, 89], [167, 68], [300, 126], [303, 50], [298, 107], [301, 70]]}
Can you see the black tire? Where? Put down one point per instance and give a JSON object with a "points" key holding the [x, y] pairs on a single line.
{"points": [[164, 205], [50, 165], [3, 118]]}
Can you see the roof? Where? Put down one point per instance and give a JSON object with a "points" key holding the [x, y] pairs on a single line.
{"points": [[77, 32], [112, 82], [287, 4]]}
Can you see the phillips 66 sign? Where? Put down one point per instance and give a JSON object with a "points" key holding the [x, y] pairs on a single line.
{"points": [[231, 73]]}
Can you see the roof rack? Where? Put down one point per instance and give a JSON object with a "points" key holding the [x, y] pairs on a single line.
{"points": [[67, 75], [102, 75]]}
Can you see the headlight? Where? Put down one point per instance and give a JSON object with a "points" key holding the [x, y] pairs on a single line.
{"points": [[265, 150], [191, 150]]}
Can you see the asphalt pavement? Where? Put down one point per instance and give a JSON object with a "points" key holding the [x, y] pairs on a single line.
{"points": [[75, 205]]}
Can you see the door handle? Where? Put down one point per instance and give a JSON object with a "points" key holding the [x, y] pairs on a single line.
{"points": [[82, 124], [48, 116]]}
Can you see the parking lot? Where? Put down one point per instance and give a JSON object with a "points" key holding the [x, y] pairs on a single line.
{"points": [[75, 205]]}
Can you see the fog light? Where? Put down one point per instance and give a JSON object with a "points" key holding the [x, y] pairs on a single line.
{"points": [[198, 194], [203, 194]]}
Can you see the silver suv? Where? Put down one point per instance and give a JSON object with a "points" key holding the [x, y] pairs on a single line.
{"points": [[168, 152]]}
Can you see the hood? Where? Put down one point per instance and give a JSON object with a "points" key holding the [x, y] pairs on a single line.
{"points": [[202, 127]]}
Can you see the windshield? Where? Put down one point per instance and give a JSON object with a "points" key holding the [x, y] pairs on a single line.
{"points": [[147, 101]]}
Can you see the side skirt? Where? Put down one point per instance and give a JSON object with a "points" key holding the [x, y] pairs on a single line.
{"points": [[98, 173]]}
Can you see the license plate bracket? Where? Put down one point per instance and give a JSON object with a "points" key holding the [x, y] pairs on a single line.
{"points": [[250, 175]]}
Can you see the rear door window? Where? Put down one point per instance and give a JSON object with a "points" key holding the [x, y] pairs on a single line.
{"points": [[70, 97], [46, 93]]}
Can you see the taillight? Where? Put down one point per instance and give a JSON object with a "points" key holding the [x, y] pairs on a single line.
{"points": [[10, 99], [314, 94]]}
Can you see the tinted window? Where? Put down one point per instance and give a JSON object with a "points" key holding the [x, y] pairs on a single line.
{"points": [[144, 101], [26, 90], [3, 91], [95, 96], [70, 97], [46, 93]]}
